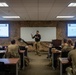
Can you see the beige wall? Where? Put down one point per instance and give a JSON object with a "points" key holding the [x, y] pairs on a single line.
{"points": [[15, 28]]}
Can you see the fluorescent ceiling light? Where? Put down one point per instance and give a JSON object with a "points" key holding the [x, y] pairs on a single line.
{"points": [[72, 5], [11, 16], [3, 4], [64, 16]]}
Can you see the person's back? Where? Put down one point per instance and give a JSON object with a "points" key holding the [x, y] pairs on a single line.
{"points": [[13, 49], [69, 46], [72, 57]]}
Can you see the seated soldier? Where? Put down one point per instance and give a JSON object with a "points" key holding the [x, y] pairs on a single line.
{"points": [[13, 50], [72, 59], [69, 46]]}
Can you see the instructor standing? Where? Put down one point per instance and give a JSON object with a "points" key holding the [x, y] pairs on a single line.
{"points": [[37, 38]]}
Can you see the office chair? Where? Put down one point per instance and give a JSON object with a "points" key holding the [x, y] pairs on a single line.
{"points": [[64, 54], [23, 48], [56, 44]]}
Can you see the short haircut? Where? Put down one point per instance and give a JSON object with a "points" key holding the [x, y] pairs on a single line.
{"points": [[37, 31], [13, 41], [65, 40], [70, 42]]}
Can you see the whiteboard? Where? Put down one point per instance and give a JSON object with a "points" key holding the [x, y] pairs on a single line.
{"points": [[47, 33]]}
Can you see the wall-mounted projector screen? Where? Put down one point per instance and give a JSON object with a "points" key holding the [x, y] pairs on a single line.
{"points": [[71, 30], [47, 33], [4, 30]]}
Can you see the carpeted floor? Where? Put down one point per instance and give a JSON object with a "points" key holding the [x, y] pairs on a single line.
{"points": [[38, 66]]}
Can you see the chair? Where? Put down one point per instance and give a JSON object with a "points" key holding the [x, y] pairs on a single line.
{"points": [[57, 43], [64, 54], [23, 48], [2, 68]]}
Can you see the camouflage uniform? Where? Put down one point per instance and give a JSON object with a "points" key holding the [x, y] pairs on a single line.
{"points": [[13, 51], [67, 48], [72, 57]]}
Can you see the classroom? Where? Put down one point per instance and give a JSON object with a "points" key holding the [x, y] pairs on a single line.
{"points": [[37, 37]]}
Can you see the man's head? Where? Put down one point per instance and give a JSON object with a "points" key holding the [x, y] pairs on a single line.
{"points": [[37, 32], [13, 41]]}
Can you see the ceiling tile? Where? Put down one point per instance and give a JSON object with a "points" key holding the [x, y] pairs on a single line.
{"points": [[37, 9]]}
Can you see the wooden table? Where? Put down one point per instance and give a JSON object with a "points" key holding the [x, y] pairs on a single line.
{"points": [[22, 52], [12, 64], [63, 61]]}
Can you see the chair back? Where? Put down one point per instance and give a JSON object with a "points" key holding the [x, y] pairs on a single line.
{"points": [[23, 48], [56, 43], [64, 54]]}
